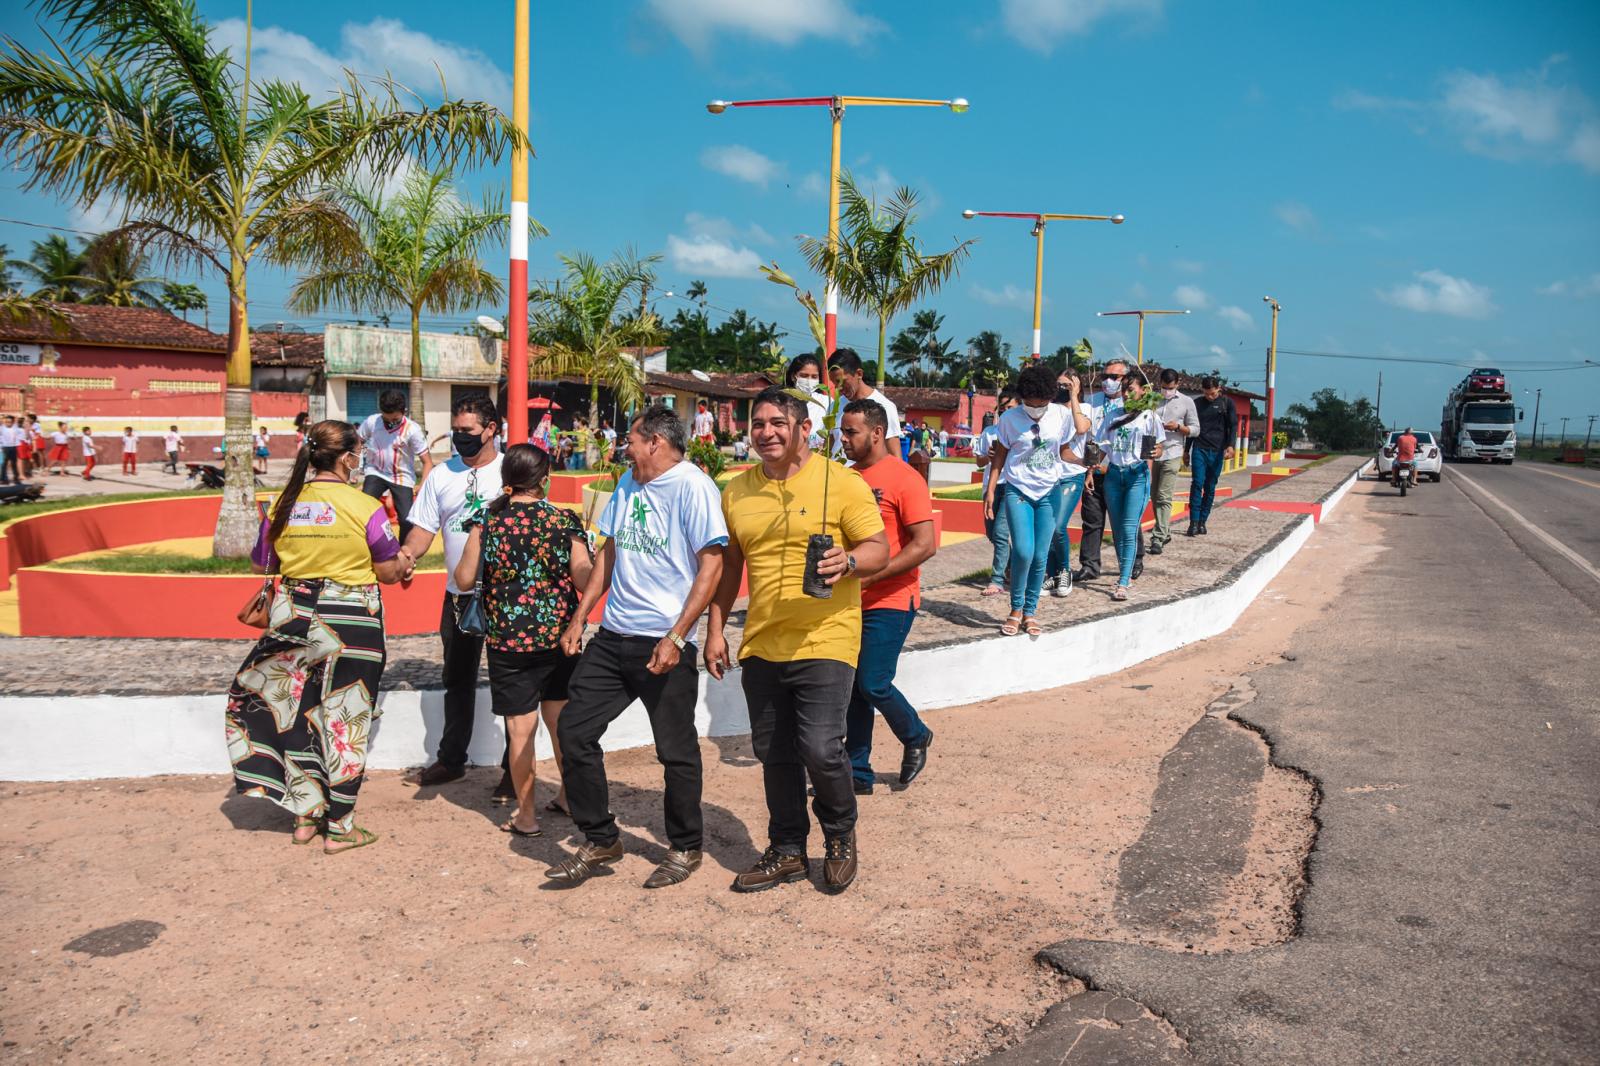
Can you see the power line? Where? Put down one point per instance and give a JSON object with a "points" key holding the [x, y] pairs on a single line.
{"points": [[1524, 367]]}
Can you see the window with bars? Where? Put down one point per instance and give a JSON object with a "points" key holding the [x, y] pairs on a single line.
{"points": [[163, 385], [69, 381]]}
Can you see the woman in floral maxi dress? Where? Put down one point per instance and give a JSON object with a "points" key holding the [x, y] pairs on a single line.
{"points": [[302, 707]]}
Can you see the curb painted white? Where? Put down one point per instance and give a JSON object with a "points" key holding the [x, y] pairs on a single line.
{"points": [[78, 738]]}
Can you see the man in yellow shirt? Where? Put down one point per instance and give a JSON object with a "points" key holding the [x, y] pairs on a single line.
{"points": [[799, 652]]}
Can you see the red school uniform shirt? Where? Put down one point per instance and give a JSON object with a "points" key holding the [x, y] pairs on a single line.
{"points": [[903, 501]]}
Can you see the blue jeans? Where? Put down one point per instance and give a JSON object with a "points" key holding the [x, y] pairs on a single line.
{"points": [[883, 634], [1061, 546], [998, 530], [1033, 527], [1127, 492], [1206, 467]]}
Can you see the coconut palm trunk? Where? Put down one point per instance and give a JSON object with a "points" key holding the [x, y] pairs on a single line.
{"points": [[418, 408]]}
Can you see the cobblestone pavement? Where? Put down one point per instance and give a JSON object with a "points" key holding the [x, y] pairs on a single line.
{"points": [[952, 611]]}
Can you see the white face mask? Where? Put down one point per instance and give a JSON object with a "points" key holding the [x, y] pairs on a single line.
{"points": [[1111, 386], [1035, 413], [1170, 394], [807, 385]]}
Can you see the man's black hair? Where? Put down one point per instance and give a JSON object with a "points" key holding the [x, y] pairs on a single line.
{"points": [[1037, 383], [660, 421], [797, 409], [392, 402], [481, 406], [1169, 377], [1211, 381], [845, 359], [871, 410]]}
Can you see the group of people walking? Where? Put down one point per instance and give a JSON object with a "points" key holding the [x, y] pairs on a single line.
{"points": [[1049, 449], [832, 555]]}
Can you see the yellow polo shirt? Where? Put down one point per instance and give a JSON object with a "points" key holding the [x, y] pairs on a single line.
{"points": [[771, 522]]}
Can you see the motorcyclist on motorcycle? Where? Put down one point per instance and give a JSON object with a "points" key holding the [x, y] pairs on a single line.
{"points": [[1405, 455]]}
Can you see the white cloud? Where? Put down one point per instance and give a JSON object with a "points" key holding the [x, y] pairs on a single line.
{"points": [[712, 248], [1296, 216], [1511, 117], [723, 230], [812, 186], [1191, 296], [106, 213], [1236, 317], [1172, 341], [697, 22], [879, 184], [1041, 24], [737, 161], [1435, 292], [1007, 296], [1580, 288], [371, 49], [1188, 266]]}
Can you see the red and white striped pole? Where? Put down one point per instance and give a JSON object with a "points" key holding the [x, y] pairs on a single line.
{"points": [[517, 321]]}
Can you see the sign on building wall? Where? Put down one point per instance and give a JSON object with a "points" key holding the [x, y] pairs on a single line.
{"points": [[13, 353], [369, 352]]}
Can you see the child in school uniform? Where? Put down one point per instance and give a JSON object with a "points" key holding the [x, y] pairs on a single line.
{"points": [[130, 451], [174, 443], [87, 440]]}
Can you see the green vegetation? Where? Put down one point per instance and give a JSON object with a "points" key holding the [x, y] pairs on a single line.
{"points": [[13, 511], [969, 492], [1334, 423], [176, 563]]}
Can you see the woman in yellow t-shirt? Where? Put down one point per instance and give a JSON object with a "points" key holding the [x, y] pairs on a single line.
{"points": [[302, 707]]}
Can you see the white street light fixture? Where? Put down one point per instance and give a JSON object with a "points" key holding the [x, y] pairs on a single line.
{"points": [[493, 325]]}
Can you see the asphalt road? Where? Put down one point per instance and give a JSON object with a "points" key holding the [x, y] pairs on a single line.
{"points": [[1447, 710]]}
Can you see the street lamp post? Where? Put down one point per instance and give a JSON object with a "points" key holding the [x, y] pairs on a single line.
{"points": [[1272, 375], [1562, 443], [1538, 394], [836, 107], [1039, 219], [1139, 356], [517, 321]]}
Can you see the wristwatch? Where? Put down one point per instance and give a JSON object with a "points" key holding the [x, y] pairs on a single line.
{"points": [[677, 641], [849, 564]]}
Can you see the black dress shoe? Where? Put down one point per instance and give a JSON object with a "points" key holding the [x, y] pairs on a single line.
{"points": [[1202, 529], [1086, 574], [914, 761], [1192, 529], [1154, 548], [862, 788], [1138, 568]]}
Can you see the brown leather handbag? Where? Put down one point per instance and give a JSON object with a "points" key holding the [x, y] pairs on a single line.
{"points": [[257, 614]]}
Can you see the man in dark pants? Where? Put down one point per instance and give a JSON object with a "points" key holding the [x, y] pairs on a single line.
{"points": [[798, 654], [450, 500], [1219, 427], [661, 563], [1093, 513], [395, 456]]}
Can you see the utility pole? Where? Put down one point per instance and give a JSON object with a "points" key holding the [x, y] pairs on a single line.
{"points": [[1563, 442], [1538, 394], [1272, 376], [1588, 435], [517, 322], [1379, 411]]}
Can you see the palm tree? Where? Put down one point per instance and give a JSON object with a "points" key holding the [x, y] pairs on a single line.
{"points": [[877, 263], [697, 291], [419, 250], [587, 322], [183, 298], [137, 103], [989, 361], [921, 341], [114, 275], [54, 266]]}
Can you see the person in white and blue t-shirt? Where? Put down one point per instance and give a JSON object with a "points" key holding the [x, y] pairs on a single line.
{"points": [[659, 567]]}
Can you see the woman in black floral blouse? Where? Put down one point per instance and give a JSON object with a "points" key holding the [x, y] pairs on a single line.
{"points": [[536, 561]]}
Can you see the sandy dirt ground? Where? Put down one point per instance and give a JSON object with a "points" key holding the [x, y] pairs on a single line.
{"points": [[442, 943]]}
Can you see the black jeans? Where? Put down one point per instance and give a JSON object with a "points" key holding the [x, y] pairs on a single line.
{"points": [[797, 727], [1094, 526], [402, 495], [462, 654], [609, 677], [9, 469]]}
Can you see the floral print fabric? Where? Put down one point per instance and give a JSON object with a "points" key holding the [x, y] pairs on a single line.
{"points": [[529, 597], [303, 706]]}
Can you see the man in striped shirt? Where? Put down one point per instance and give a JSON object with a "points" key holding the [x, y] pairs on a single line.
{"points": [[396, 459]]}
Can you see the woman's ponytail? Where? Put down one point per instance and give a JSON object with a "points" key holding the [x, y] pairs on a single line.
{"points": [[325, 444]]}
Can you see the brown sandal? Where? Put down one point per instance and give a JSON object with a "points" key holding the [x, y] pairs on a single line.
{"points": [[1031, 627], [1012, 625]]}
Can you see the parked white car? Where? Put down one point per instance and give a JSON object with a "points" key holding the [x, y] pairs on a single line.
{"points": [[1429, 462]]}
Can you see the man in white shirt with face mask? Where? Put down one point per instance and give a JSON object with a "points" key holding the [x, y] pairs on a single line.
{"points": [[1181, 421], [1106, 404]]}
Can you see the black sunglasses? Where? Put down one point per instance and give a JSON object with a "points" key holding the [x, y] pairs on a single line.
{"points": [[1111, 376]]}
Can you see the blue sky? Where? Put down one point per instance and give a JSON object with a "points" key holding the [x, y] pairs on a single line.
{"points": [[1408, 180]]}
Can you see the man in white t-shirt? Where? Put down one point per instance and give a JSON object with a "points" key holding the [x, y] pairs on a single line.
{"points": [[850, 382], [172, 441], [10, 445], [660, 565], [454, 496], [704, 423], [396, 458]]}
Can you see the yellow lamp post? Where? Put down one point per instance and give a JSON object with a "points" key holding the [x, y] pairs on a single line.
{"points": [[1272, 376], [1139, 357], [836, 107], [1039, 219]]}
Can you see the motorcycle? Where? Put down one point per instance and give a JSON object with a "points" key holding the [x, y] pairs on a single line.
{"points": [[1404, 473]]}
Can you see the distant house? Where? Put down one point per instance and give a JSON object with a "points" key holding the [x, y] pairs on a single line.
{"points": [[360, 362]]}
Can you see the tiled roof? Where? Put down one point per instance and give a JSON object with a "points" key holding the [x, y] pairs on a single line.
{"points": [[720, 385], [924, 399], [128, 327], [286, 349], [1188, 382]]}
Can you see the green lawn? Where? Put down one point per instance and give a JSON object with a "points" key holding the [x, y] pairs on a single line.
{"points": [[12, 511], [174, 563], [970, 492]]}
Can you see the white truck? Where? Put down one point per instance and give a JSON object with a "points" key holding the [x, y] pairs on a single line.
{"points": [[1479, 426]]}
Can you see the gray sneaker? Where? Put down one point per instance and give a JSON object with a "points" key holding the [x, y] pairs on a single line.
{"points": [[1061, 585]]}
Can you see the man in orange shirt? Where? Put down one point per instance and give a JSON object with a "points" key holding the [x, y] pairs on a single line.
{"points": [[889, 598]]}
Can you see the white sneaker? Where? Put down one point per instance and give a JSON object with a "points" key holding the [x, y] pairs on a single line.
{"points": [[1061, 587]]}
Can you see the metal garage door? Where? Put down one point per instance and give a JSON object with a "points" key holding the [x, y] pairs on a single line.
{"points": [[361, 397]]}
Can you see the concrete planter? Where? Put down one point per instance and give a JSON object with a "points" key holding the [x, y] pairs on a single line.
{"points": [[594, 504]]}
